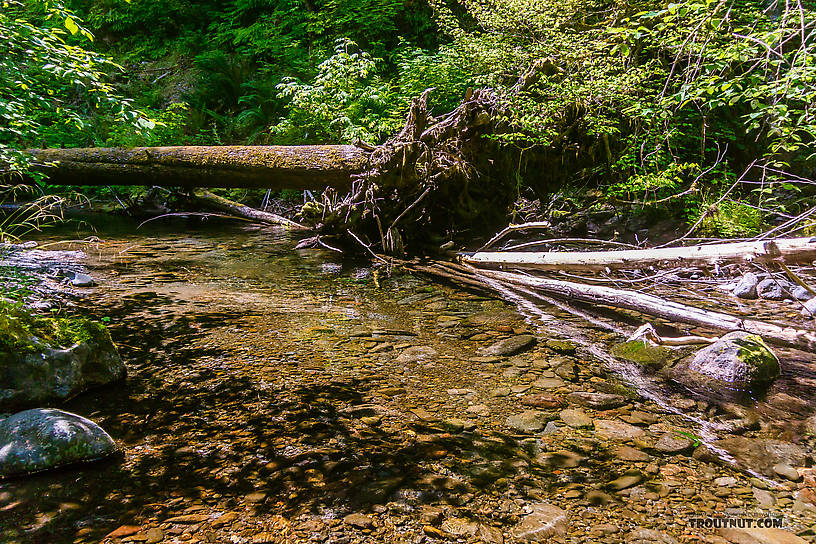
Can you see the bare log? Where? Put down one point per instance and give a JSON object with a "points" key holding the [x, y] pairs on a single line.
{"points": [[312, 167], [221, 204], [659, 307], [788, 251]]}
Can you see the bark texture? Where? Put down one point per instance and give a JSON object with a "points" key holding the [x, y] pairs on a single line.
{"points": [[312, 167]]}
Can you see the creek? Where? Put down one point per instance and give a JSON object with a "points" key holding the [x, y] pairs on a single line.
{"points": [[282, 395]]}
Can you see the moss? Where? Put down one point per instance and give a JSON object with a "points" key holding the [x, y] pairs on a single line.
{"points": [[643, 353], [20, 331], [755, 353]]}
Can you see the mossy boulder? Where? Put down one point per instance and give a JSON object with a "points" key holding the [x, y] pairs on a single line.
{"points": [[44, 360], [644, 354], [45, 438], [737, 362]]}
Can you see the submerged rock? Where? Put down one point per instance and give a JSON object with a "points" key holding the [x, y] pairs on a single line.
{"points": [[644, 353], [42, 372], [545, 522], [45, 438], [762, 455], [510, 346], [738, 361]]}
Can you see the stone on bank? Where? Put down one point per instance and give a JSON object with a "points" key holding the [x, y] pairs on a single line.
{"points": [[46, 438]]}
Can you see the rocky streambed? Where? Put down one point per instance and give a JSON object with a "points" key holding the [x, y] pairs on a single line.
{"points": [[283, 396]]}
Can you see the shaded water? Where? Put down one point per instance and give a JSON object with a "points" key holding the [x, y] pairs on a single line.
{"points": [[273, 385]]}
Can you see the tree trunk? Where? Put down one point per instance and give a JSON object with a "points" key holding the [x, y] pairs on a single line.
{"points": [[313, 167], [789, 251]]}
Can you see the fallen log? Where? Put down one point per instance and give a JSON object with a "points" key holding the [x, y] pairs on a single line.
{"points": [[658, 307], [788, 251], [312, 167], [212, 201]]}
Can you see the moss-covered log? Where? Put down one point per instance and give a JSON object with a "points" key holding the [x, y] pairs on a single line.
{"points": [[313, 167]]}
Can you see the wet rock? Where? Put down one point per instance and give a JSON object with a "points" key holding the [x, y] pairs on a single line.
{"points": [[548, 383], [575, 418], [629, 479], [617, 430], [416, 354], [78, 279], [771, 289], [47, 373], [529, 421], [739, 361], [510, 346], [597, 497], [545, 521], [361, 521], [760, 536], [786, 471], [764, 498], [543, 400], [626, 453], [45, 438], [565, 347], [597, 401], [490, 535], [644, 353], [747, 286], [460, 527], [810, 425], [810, 308], [800, 293], [649, 536], [673, 443], [560, 459], [481, 410], [154, 535], [762, 454]]}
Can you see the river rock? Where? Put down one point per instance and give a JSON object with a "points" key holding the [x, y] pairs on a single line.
{"points": [[78, 279], [510, 346], [673, 443], [747, 286], [800, 293], [787, 472], [762, 454], [529, 421], [575, 418], [760, 536], [630, 479], [46, 438], [617, 430], [810, 425], [810, 308], [598, 401], [626, 453], [416, 354], [544, 522], [739, 361], [548, 401], [51, 373], [649, 536], [771, 289], [645, 354]]}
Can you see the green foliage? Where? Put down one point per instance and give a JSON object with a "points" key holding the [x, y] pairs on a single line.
{"points": [[347, 100], [50, 89]]}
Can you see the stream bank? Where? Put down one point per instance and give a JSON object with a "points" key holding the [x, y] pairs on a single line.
{"points": [[277, 395]]}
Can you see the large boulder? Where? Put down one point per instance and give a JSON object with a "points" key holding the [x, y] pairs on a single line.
{"points": [[738, 362], [40, 371], [45, 438]]}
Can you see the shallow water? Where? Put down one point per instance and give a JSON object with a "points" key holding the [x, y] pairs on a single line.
{"points": [[271, 384]]}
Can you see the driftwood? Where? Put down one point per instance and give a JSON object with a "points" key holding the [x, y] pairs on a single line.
{"points": [[789, 251], [212, 201], [657, 307], [312, 167]]}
